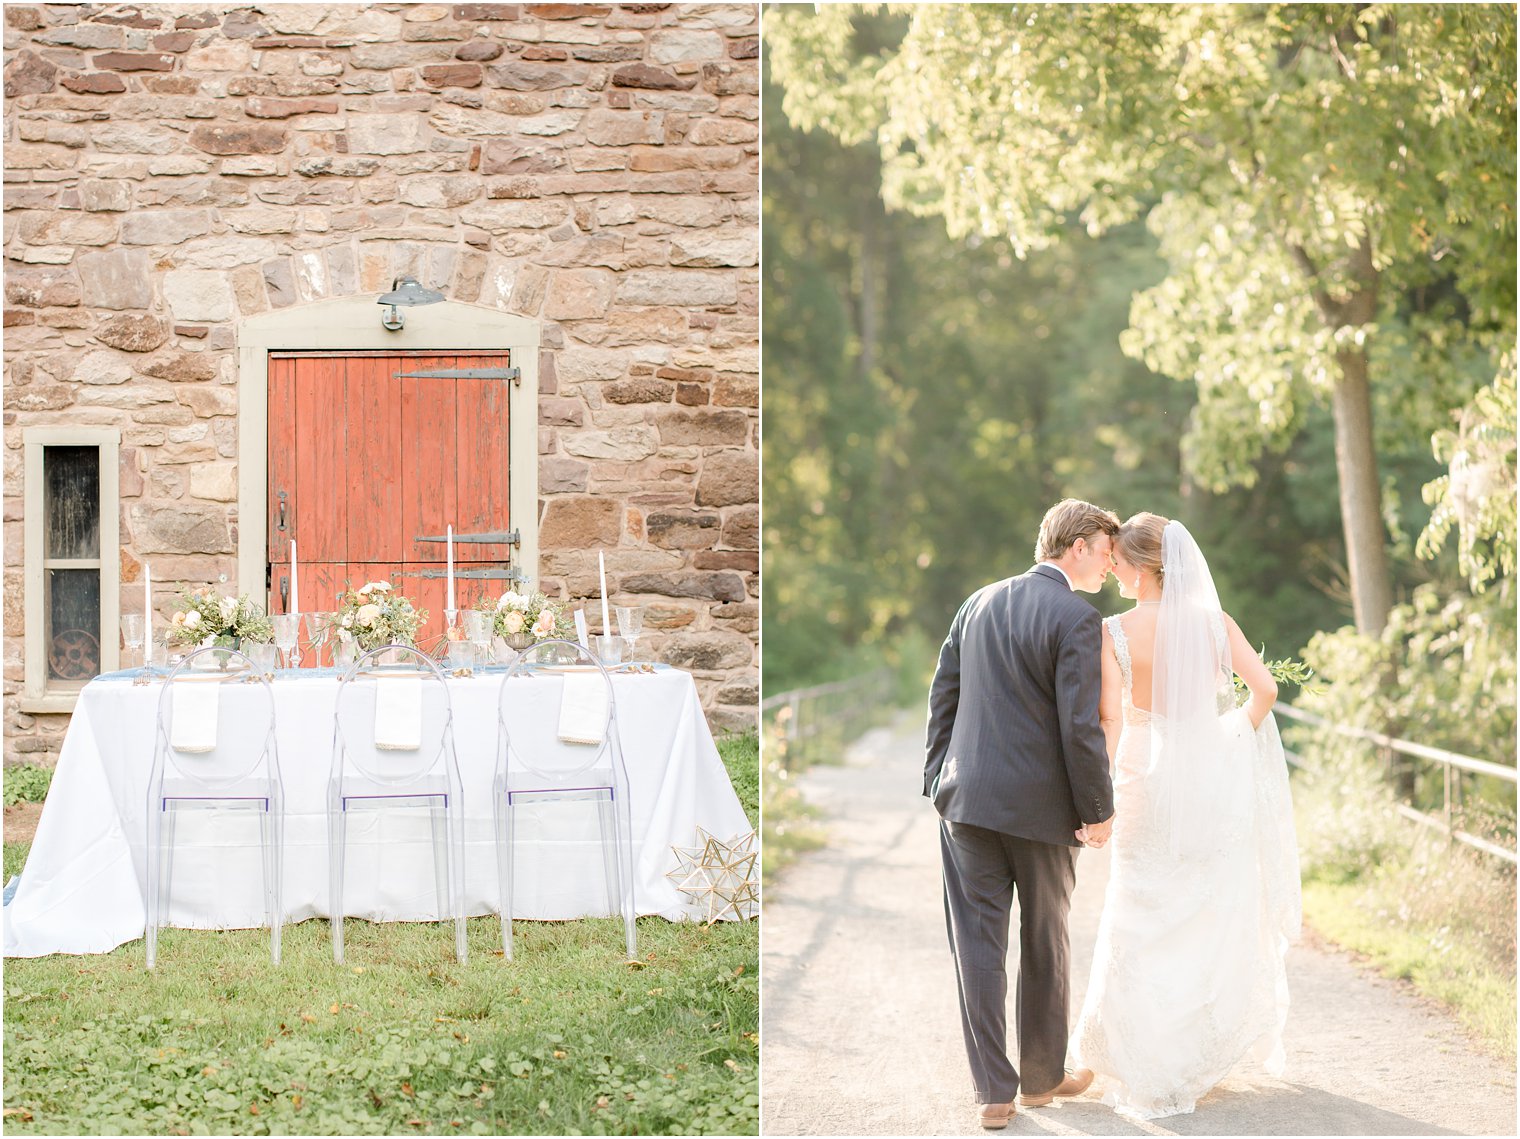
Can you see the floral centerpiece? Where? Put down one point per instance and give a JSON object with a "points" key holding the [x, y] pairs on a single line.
{"points": [[373, 615], [206, 619], [515, 615]]}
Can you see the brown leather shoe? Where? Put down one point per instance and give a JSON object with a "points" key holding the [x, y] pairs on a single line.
{"points": [[1077, 1081], [995, 1116]]}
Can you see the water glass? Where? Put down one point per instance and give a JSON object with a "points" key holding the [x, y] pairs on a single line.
{"points": [[477, 630], [461, 654], [262, 653], [608, 649]]}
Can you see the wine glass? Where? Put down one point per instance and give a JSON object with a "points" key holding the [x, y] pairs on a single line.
{"points": [[317, 624], [630, 623], [287, 634], [132, 633]]}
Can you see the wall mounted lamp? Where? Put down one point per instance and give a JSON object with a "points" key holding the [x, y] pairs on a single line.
{"points": [[405, 292]]}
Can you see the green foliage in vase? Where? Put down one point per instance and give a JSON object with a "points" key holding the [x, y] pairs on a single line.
{"points": [[373, 616], [531, 613], [205, 618]]}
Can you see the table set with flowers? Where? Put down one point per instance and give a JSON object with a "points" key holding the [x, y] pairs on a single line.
{"points": [[83, 888]]}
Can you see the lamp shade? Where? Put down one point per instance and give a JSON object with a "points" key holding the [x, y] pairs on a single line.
{"points": [[406, 291]]}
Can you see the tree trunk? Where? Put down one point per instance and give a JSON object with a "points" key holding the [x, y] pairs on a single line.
{"points": [[1361, 495], [1355, 458]]}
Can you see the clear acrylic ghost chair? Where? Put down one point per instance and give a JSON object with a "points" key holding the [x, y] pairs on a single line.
{"points": [[534, 765], [238, 770], [366, 775]]}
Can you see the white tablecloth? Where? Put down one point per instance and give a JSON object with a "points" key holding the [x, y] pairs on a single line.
{"points": [[82, 890]]}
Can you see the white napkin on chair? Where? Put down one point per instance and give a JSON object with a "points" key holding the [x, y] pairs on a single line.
{"points": [[398, 714], [194, 709], [583, 708]]}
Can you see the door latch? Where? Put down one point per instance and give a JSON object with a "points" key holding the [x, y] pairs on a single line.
{"points": [[280, 520]]}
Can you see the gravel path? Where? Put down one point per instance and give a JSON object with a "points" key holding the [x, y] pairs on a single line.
{"points": [[861, 1034]]}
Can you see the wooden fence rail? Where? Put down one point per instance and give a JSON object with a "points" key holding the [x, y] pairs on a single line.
{"points": [[1450, 762], [806, 718]]}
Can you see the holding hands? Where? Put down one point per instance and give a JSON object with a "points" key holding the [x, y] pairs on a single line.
{"points": [[1096, 835]]}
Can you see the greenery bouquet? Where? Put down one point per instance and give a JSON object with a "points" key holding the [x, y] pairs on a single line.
{"points": [[206, 619], [514, 614], [373, 616]]}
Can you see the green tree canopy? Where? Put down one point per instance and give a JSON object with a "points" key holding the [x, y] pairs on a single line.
{"points": [[1332, 187]]}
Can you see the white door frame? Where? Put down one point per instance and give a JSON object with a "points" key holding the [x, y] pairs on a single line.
{"points": [[353, 324]]}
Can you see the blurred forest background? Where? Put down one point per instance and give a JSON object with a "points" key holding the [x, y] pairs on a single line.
{"points": [[939, 373], [1162, 258]]}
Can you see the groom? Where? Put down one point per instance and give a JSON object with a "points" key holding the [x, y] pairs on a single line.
{"points": [[1018, 770]]}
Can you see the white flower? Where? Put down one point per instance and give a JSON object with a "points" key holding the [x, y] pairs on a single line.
{"points": [[518, 601], [513, 622], [367, 615], [192, 619], [348, 620], [544, 626], [178, 619], [371, 587], [228, 607]]}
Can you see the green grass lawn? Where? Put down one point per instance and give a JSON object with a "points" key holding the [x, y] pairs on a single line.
{"points": [[565, 1039]]}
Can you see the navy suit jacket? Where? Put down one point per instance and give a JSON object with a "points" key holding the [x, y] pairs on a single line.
{"points": [[1014, 741]]}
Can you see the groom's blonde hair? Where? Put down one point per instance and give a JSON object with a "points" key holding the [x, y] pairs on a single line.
{"points": [[1068, 520]]}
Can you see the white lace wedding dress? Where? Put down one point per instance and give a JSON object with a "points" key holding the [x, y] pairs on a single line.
{"points": [[1203, 900]]}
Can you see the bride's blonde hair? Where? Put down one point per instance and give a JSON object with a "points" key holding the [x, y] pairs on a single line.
{"points": [[1139, 541]]}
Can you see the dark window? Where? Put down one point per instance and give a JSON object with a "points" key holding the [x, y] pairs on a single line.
{"points": [[71, 561], [72, 501]]}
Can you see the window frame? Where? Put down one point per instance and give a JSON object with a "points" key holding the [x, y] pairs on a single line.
{"points": [[39, 693]]}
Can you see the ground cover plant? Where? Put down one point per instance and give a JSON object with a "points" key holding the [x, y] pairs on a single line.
{"points": [[565, 1039], [1415, 907]]}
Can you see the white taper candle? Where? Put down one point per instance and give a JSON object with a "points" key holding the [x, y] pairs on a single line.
{"points": [[601, 562], [451, 566], [295, 580]]}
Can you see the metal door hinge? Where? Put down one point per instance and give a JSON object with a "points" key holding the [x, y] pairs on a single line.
{"points": [[513, 374], [483, 538]]}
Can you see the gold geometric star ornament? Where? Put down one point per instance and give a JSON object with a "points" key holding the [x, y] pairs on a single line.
{"points": [[721, 875]]}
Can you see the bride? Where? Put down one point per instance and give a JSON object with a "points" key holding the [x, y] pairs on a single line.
{"points": [[1203, 896]]}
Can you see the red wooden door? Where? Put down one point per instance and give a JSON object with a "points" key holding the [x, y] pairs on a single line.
{"points": [[362, 464]]}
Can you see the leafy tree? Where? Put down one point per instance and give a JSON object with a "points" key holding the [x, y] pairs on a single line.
{"points": [[1321, 178], [927, 397]]}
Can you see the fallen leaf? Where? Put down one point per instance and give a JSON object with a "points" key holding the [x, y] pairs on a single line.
{"points": [[20, 1112], [308, 1018], [334, 1007], [416, 1122], [601, 1102], [208, 1070], [406, 1090], [739, 972], [558, 1055], [730, 1064], [253, 1109], [358, 968], [296, 1101]]}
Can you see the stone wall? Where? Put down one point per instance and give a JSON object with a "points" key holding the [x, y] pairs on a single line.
{"points": [[173, 168]]}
